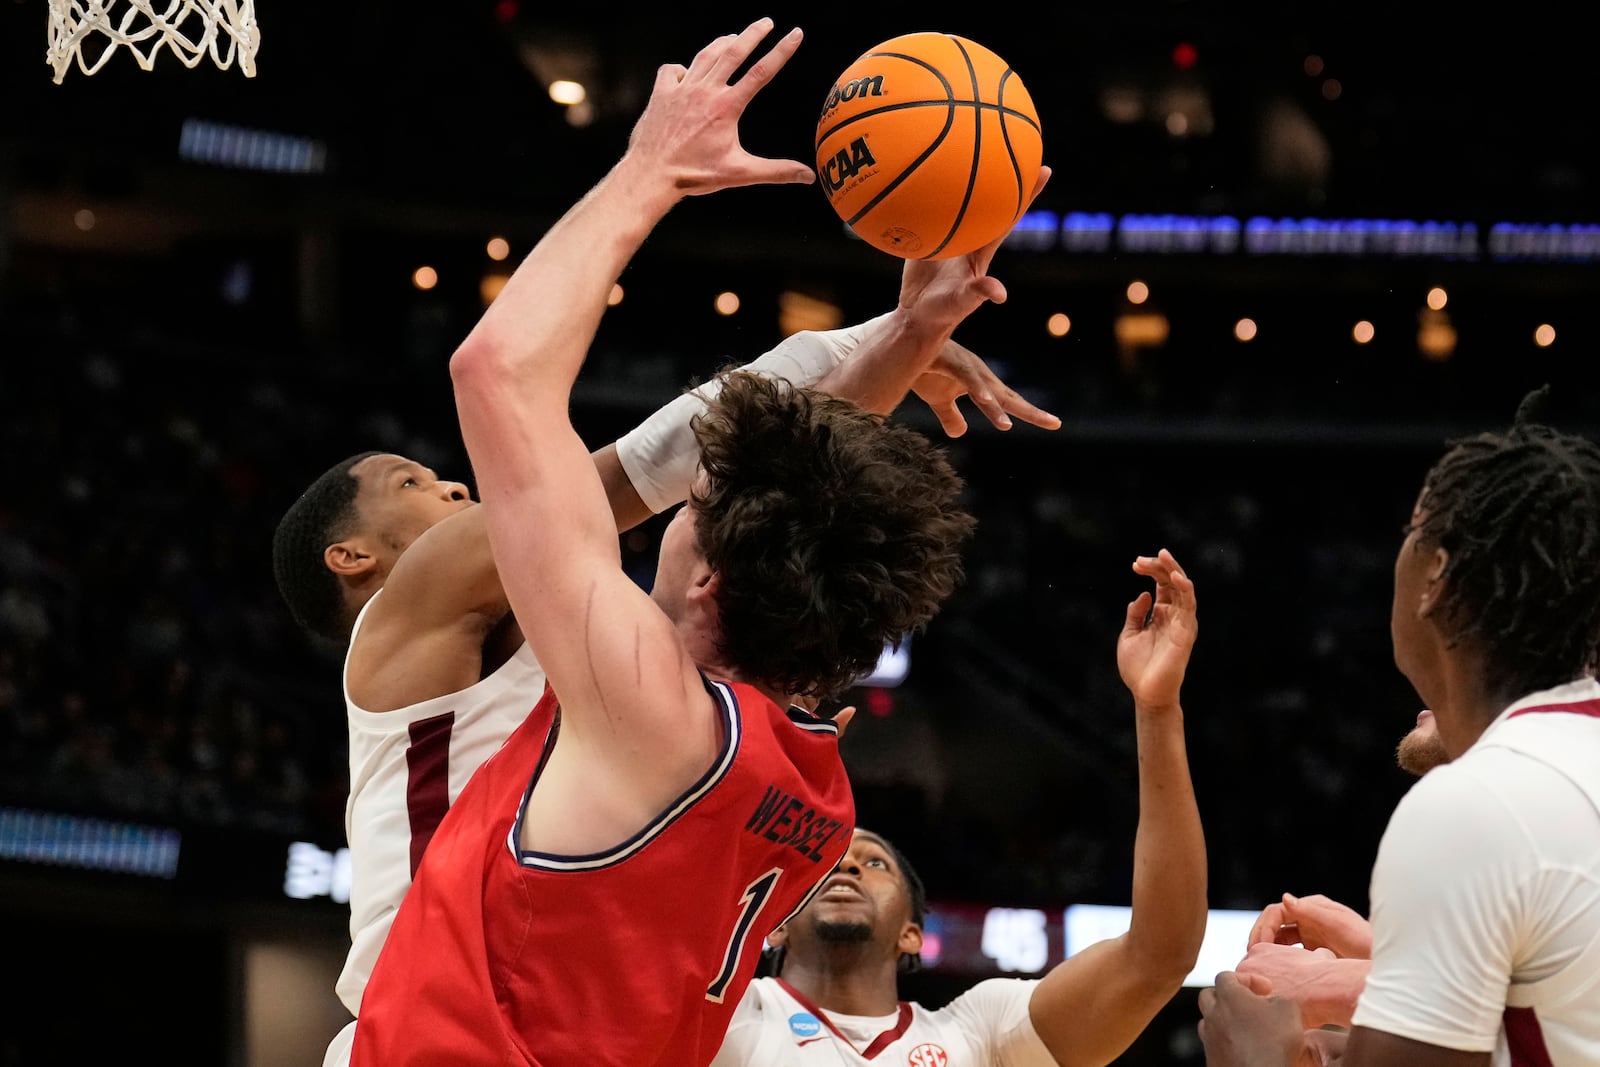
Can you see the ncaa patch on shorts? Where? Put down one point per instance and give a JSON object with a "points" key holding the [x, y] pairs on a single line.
{"points": [[804, 1024]]}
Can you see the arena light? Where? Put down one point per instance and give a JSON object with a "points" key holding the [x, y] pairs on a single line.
{"points": [[1223, 946], [60, 840], [223, 145], [894, 663]]}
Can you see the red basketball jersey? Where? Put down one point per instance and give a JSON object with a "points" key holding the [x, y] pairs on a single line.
{"points": [[633, 957]]}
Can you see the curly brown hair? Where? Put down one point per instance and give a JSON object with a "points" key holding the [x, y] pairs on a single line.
{"points": [[835, 532]]}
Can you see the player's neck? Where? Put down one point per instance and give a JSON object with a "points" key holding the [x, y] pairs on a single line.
{"points": [[1471, 702], [846, 984]]}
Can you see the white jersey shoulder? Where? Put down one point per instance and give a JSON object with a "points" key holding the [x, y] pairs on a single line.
{"points": [[406, 767], [1486, 892], [987, 1026]]}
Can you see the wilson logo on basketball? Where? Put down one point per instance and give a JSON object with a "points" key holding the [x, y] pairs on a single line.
{"points": [[849, 162], [870, 86], [927, 1056]]}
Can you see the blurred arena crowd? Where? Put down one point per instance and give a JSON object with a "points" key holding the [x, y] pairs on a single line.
{"points": [[149, 672]]}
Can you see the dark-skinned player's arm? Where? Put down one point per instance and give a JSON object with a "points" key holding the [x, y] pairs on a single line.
{"points": [[876, 364], [1092, 1006]]}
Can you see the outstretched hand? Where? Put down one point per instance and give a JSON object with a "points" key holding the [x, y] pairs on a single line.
{"points": [[958, 372], [689, 129], [938, 294], [1158, 633]]}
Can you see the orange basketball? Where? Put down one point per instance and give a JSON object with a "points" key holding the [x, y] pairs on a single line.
{"points": [[928, 146]]}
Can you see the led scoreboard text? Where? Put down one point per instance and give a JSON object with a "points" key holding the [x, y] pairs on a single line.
{"points": [[1096, 233]]}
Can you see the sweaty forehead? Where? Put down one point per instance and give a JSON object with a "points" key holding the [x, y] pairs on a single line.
{"points": [[380, 467], [867, 837]]}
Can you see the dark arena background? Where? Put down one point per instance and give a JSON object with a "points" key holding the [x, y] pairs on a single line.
{"points": [[1287, 253]]}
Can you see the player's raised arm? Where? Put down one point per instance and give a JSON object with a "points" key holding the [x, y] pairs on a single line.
{"points": [[1121, 983], [912, 347], [552, 532]]}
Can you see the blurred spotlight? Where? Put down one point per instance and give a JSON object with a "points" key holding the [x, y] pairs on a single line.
{"points": [[424, 277], [498, 248], [1436, 336], [489, 286], [1058, 325], [580, 114], [1138, 292], [797, 311], [727, 303], [1141, 330], [1245, 329], [1313, 65], [1363, 332], [1184, 55], [1437, 298], [615, 297], [1332, 89], [1545, 335], [567, 93], [83, 219]]}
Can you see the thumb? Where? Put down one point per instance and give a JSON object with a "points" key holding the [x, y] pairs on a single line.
{"points": [[951, 419], [779, 171], [842, 720], [1137, 610]]}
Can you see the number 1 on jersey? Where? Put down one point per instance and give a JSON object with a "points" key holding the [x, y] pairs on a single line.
{"points": [[755, 896]]}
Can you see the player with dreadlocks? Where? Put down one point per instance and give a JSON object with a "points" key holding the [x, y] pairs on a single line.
{"points": [[1486, 891]]}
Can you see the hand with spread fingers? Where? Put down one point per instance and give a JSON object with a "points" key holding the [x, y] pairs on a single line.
{"points": [[938, 295], [959, 372], [689, 130]]}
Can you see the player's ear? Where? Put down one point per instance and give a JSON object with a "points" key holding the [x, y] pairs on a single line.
{"points": [[705, 585], [1436, 567], [348, 558], [910, 942]]}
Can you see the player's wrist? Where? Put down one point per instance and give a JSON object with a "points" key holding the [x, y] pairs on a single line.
{"points": [[651, 189], [1334, 997]]}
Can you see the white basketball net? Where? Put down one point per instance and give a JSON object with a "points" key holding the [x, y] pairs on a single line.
{"points": [[193, 29]]}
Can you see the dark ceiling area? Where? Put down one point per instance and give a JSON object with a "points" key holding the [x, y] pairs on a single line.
{"points": [[185, 342], [433, 130], [441, 107]]}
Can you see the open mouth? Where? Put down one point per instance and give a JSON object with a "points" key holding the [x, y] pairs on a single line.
{"points": [[841, 889]]}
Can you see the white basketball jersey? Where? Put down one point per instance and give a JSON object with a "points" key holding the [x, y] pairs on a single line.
{"points": [[987, 1026], [406, 768]]}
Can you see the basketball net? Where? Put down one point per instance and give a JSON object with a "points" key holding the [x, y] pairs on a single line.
{"points": [[223, 29]]}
